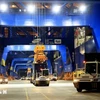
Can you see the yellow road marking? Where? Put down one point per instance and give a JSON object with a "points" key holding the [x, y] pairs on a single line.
{"points": [[27, 98], [45, 96]]}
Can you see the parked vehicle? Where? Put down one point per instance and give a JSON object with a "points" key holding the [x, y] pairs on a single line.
{"points": [[3, 80], [90, 79], [53, 77]]}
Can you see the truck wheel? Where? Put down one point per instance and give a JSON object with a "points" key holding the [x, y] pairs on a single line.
{"points": [[79, 89], [47, 84], [55, 79], [36, 84], [98, 90], [30, 81], [88, 89]]}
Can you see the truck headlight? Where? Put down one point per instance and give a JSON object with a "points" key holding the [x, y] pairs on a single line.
{"points": [[37, 79], [91, 79], [0, 80], [6, 80], [76, 80], [48, 79]]}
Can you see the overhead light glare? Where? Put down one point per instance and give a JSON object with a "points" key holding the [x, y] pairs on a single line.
{"points": [[13, 6], [24, 10], [48, 23], [31, 8], [82, 8], [56, 9], [20, 10], [3, 7]]}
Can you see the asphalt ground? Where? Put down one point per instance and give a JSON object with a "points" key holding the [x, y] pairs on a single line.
{"points": [[58, 90]]}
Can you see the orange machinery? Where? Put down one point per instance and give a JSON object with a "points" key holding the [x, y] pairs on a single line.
{"points": [[39, 56]]}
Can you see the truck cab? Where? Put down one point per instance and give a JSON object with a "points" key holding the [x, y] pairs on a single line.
{"points": [[43, 78], [90, 79], [40, 75]]}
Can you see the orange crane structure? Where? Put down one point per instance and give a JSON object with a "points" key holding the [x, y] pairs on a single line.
{"points": [[39, 56]]}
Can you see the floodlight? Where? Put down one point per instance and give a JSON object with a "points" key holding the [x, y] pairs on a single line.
{"points": [[48, 24], [56, 9], [3, 7], [24, 10], [82, 8], [31, 8], [20, 10], [26, 47]]}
